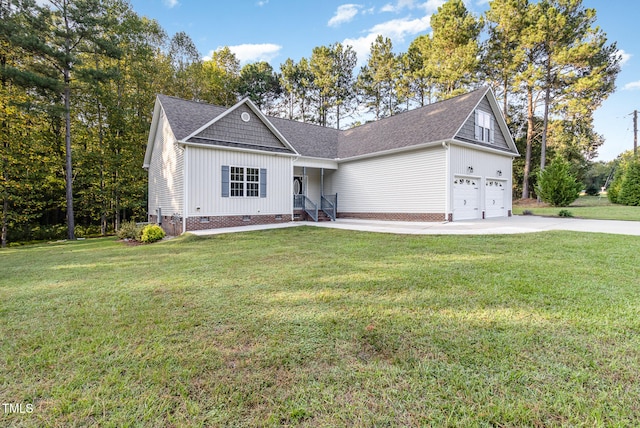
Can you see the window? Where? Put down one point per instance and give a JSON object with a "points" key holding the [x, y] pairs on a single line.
{"points": [[253, 182], [238, 182], [484, 126]]}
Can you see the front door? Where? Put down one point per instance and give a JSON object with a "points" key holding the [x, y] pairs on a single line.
{"points": [[298, 186]]}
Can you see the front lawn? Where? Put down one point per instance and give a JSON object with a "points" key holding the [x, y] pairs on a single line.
{"points": [[319, 327], [592, 207]]}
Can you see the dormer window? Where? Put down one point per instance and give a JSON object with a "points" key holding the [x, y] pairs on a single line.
{"points": [[484, 126]]}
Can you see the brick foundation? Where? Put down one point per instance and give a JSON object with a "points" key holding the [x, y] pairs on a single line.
{"points": [[395, 216], [172, 226], [202, 223]]}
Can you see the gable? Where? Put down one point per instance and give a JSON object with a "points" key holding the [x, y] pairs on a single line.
{"points": [[469, 132], [241, 126], [431, 124]]}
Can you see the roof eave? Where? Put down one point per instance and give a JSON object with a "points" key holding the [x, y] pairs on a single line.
{"points": [[393, 151], [495, 150], [152, 135], [236, 149]]}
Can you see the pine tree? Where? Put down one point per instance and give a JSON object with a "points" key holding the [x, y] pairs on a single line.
{"points": [[420, 78], [56, 34], [556, 185], [455, 48], [630, 186], [221, 78], [376, 81], [503, 57], [261, 84]]}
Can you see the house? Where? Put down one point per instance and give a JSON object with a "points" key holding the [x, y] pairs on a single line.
{"points": [[212, 167]]}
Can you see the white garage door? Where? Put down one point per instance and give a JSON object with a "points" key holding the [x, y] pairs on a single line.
{"points": [[466, 199], [494, 198]]}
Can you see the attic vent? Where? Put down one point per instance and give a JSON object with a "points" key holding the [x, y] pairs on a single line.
{"points": [[245, 117]]}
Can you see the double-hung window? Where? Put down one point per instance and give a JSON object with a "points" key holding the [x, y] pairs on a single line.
{"points": [[240, 182], [244, 182], [484, 126]]}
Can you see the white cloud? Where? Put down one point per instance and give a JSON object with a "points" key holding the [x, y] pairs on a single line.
{"points": [[254, 52], [361, 46], [388, 8], [429, 6], [344, 13], [170, 3], [432, 5], [262, 2], [624, 57], [632, 86], [396, 29]]}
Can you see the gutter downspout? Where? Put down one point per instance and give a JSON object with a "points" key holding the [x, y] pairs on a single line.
{"points": [[293, 174], [447, 204], [186, 193]]}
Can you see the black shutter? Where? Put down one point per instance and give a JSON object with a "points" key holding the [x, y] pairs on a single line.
{"points": [[263, 183], [225, 181]]}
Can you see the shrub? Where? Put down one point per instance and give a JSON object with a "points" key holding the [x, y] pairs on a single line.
{"points": [[556, 185], [87, 231], [130, 230], [592, 190], [630, 187], [613, 191], [152, 233], [565, 213], [527, 212]]}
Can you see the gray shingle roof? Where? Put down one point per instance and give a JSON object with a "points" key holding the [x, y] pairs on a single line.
{"points": [[308, 139], [187, 116], [435, 122]]}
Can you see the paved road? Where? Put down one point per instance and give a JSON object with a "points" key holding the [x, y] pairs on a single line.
{"points": [[495, 226]]}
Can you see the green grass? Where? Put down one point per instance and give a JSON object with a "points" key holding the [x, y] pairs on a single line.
{"points": [[321, 327], [592, 207]]}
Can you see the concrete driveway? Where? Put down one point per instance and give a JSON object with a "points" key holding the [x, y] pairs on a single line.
{"points": [[494, 226]]}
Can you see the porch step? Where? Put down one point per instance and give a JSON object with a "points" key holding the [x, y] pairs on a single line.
{"points": [[322, 216]]}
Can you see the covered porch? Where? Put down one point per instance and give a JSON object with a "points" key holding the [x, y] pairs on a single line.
{"points": [[312, 196]]}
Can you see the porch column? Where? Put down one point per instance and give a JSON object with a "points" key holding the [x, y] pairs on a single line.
{"points": [[321, 182], [304, 180]]}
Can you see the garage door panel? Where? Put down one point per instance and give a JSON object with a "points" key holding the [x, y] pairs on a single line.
{"points": [[466, 198], [494, 198]]}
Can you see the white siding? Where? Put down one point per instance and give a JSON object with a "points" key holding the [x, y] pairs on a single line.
{"points": [[408, 182], [166, 178], [205, 188], [315, 163], [485, 165]]}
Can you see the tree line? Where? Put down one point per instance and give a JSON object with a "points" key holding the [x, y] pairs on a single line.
{"points": [[78, 80]]}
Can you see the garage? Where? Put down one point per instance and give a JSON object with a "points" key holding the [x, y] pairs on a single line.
{"points": [[466, 198], [494, 198]]}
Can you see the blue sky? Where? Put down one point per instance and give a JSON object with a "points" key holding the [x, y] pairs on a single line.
{"points": [[274, 30]]}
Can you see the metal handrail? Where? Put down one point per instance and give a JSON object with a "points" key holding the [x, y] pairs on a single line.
{"points": [[306, 204], [328, 204]]}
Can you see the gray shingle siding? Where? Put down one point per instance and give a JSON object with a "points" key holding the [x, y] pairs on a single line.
{"points": [[467, 132], [233, 129]]}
